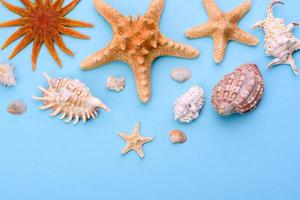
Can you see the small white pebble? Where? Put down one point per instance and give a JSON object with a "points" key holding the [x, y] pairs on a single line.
{"points": [[115, 83], [181, 74], [17, 107]]}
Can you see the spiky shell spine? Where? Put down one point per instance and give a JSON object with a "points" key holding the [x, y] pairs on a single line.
{"points": [[70, 98], [279, 39], [239, 91], [7, 77]]}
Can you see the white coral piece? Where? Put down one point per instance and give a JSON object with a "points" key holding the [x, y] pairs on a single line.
{"points": [[188, 106], [115, 83], [70, 98], [7, 77]]}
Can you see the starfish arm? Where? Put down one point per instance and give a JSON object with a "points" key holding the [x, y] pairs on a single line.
{"points": [[243, 37], [15, 9], [27, 3], [126, 149], [200, 31], [147, 139], [155, 10], [172, 48], [238, 13], [212, 8], [16, 35], [139, 151], [16, 22], [74, 23], [142, 74], [50, 46], [66, 9], [57, 4], [109, 13], [124, 136], [101, 57], [60, 43], [37, 44], [220, 46], [24, 42], [71, 32], [137, 129]]}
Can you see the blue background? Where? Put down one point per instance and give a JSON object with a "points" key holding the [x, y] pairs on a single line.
{"points": [[254, 156]]}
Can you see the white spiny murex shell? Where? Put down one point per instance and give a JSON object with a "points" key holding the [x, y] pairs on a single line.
{"points": [[239, 91], [70, 98], [279, 40], [7, 77]]}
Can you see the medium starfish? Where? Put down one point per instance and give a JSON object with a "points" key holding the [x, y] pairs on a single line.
{"points": [[43, 22], [223, 27], [135, 141], [137, 42]]}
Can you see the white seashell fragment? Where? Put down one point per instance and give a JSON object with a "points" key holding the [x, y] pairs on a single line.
{"points": [[115, 83], [188, 106], [7, 77], [279, 39], [70, 98], [177, 137], [181, 74], [17, 107]]}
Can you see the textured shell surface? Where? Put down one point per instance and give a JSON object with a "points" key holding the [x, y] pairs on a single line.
{"points": [[115, 83], [70, 98], [279, 39], [239, 91], [188, 106], [181, 74], [7, 77]]}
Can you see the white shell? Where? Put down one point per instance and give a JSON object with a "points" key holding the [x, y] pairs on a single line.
{"points": [[188, 106], [181, 74], [71, 98], [279, 39], [7, 77], [115, 83]]}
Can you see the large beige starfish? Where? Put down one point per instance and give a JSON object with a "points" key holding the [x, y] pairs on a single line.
{"points": [[137, 42], [135, 141], [223, 27]]}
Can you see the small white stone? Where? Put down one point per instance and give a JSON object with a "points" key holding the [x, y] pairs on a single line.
{"points": [[181, 74], [188, 106], [115, 83]]}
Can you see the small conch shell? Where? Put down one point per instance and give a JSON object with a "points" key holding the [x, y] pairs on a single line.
{"points": [[239, 91], [7, 77], [70, 98], [279, 39]]}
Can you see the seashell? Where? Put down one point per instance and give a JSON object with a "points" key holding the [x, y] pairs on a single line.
{"points": [[279, 39], [70, 98], [17, 107], [7, 77], [115, 83], [181, 74], [177, 136], [188, 106], [239, 91]]}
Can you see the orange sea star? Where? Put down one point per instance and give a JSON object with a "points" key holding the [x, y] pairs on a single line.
{"points": [[43, 22]]}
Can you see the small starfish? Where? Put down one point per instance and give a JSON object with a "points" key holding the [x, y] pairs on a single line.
{"points": [[135, 141], [137, 42], [43, 21], [223, 27]]}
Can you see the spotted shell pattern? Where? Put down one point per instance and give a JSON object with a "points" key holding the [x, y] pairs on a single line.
{"points": [[7, 77], [70, 98], [239, 91]]}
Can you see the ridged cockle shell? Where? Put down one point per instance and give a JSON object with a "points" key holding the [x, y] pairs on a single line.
{"points": [[239, 91], [70, 98]]}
